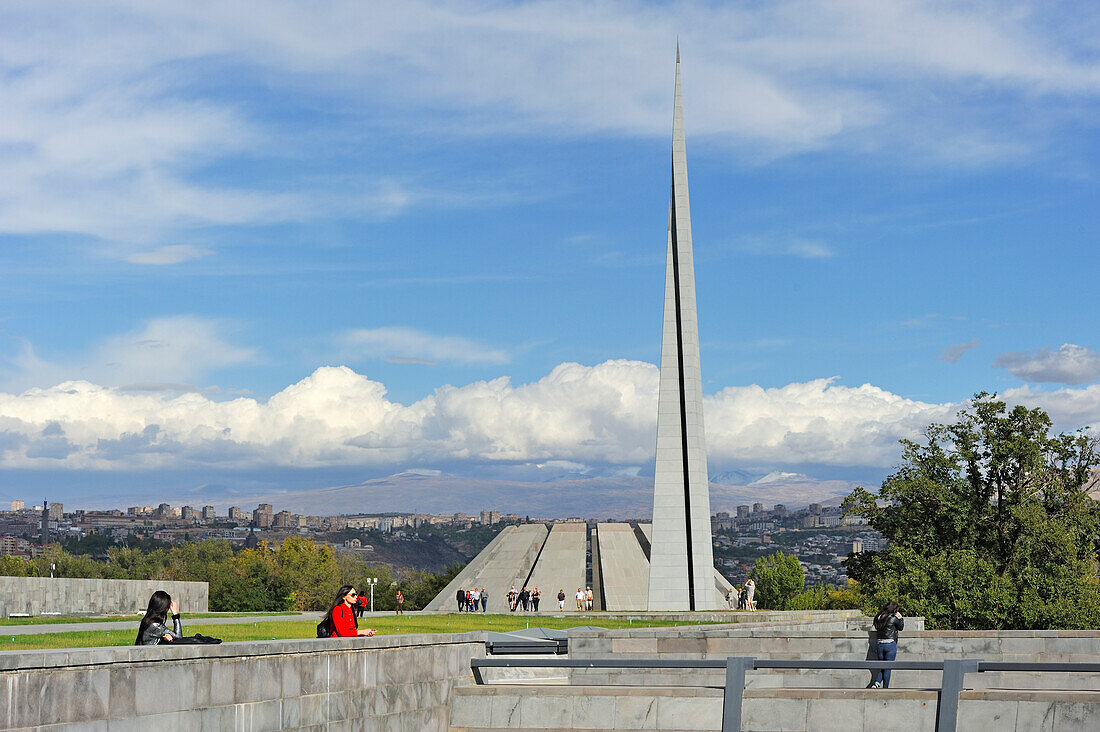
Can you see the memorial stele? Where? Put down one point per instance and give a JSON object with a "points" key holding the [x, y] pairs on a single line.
{"points": [[666, 566], [681, 564]]}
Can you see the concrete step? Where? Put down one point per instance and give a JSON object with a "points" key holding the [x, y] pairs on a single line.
{"points": [[677, 709]]}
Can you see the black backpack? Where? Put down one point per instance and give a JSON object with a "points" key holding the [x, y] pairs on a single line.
{"points": [[324, 628]]}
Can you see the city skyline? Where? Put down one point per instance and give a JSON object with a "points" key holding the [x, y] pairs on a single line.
{"points": [[295, 251]]}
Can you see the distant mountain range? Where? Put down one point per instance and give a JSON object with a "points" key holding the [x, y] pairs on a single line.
{"points": [[589, 497]]}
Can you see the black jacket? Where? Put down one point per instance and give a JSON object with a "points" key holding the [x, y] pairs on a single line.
{"points": [[888, 627]]}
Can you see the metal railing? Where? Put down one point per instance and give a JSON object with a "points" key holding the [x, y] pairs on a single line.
{"points": [[951, 684]]}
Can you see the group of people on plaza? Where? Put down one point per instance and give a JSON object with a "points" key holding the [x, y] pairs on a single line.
{"points": [[526, 599], [584, 599], [470, 600], [742, 599]]}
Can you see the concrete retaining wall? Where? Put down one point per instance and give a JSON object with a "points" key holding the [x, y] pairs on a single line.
{"points": [[37, 595], [515, 708], [385, 683], [818, 642]]}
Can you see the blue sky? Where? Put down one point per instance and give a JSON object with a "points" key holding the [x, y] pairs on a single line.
{"points": [[367, 239]]}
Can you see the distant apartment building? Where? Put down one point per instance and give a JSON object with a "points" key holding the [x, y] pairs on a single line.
{"points": [[281, 520], [164, 510], [489, 518], [780, 510], [57, 511], [815, 509], [742, 512], [758, 508], [208, 514], [236, 514], [187, 513], [264, 515], [140, 510], [17, 505]]}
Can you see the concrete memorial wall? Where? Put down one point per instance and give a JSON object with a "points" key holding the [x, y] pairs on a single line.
{"points": [[387, 683], [68, 596]]}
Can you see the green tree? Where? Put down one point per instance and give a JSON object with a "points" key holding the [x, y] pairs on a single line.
{"points": [[988, 524], [779, 578], [311, 571], [252, 583]]}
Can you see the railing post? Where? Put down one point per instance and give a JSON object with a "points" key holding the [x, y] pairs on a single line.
{"points": [[953, 672], [735, 691]]}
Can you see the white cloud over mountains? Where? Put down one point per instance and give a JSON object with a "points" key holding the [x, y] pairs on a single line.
{"points": [[601, 415]]}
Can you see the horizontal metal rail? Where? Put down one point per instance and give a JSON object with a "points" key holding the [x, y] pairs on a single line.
{"points": [[951, 684]]}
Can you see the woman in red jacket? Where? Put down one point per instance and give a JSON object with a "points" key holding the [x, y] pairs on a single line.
{"points": [[342, 618]]}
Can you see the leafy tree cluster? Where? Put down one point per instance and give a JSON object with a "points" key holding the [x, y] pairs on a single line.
{"points": [[988, 523], [779, 578], [298, 575]]}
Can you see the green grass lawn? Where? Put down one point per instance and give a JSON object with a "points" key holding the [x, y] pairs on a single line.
{"points": [[271, 630], [57, 619]]}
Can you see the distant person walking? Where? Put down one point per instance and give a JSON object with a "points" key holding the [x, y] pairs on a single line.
{"points": [[475, 599], [513, 598], [729, 598], [580, 599], [535, 597], [588, 599], [400, 610], [750, 589], [484, 600], [525, 598], [888, 622], [561, 599], [743, 599], [460, 596]]}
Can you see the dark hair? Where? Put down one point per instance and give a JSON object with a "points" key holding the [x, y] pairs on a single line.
{"points": [[337, 602], [156, 613], [887, 610]]}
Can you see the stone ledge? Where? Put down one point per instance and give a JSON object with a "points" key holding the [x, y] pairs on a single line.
{"points": [[73, 657]]}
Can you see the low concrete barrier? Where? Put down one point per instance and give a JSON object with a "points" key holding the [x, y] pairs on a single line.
{"points": [[69, 596], [822, 641], [517, 709], [383, 683]]}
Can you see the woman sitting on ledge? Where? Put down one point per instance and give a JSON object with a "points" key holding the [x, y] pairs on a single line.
{"points": [[341, 619], [153, 632]]}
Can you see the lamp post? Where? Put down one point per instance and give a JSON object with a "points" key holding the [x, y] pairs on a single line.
{"points": [[372, 581]]}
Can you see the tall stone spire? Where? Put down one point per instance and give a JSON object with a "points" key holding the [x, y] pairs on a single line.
{"points": [[681, 569]]}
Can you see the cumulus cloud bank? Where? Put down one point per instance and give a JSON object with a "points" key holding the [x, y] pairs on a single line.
{"points": [[603, 415]]}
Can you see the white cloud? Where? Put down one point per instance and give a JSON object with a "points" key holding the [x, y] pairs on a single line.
{"points": [[1070, 409], [952, 354], [788, 247], [1070, 364], [408, 345], [108, 118], [170, 254], [602, 415], [165, 353]]}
